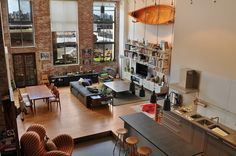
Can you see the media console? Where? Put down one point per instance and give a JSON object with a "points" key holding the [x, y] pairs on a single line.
{"points": [[140, 81], [65, 80]]}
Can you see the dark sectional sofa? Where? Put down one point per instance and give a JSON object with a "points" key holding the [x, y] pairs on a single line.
{"points": [[81, 92]]}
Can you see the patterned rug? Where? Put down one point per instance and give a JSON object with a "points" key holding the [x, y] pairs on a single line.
{"points": [[128, 98]]}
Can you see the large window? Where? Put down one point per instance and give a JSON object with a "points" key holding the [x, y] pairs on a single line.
{"points": [[104, 31], [20, 23], [64, 25]]}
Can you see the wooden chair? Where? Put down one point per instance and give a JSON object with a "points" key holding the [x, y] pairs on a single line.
{"points": [[24, 102], [55, 98], [44, 79]]}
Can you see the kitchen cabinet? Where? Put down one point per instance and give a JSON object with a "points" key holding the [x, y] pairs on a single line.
{"points": [[178, 125], [213, 145], [227, 149], [198, 139], [216, 146]]}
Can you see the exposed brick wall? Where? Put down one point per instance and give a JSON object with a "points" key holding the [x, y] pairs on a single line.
{"points": [[3, 70], [3, 77], [43, 39]]}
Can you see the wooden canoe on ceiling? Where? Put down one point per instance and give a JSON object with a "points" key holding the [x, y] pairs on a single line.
{"points": [[155, 14]]}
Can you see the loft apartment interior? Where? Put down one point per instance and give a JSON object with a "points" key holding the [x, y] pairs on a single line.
{"points": [[117, 77]]}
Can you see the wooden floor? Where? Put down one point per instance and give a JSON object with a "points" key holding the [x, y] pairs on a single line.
{"points": [[74, 118]]}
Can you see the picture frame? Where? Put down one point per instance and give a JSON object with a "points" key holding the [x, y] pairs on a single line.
{"points": [[44, 55]]}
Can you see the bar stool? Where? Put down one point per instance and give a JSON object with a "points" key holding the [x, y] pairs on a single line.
{"points": [[132, 145], [120, 139], [144, 151]]}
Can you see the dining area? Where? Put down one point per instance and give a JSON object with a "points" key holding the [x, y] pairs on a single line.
{"points": [[31, 96]]}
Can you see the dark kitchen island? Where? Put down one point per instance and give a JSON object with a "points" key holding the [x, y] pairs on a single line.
{"points": [[160, 139]]}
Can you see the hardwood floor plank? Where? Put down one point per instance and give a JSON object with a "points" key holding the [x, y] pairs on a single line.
{"points": [[74, 118]]}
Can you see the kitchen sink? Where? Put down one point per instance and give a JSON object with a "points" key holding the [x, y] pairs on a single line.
{"points": [[196, 116], [205, 122], [219, 130]]}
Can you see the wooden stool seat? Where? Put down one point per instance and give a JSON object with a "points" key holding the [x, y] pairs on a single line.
{"points": [[121, 131], [132, 145], [144, 150], [132, 140], [120, 140]]}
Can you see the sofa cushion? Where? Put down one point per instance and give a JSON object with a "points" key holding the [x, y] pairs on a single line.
{"points": [[81, 89]]}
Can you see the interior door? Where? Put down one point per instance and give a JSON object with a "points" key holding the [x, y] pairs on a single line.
{"points": [[24, 69]]}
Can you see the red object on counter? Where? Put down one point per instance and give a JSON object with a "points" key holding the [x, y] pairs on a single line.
{"points": [[149, 108]]}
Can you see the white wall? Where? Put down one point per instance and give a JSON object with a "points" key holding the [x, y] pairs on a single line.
{"points": [[204, 39], [205, 36]]}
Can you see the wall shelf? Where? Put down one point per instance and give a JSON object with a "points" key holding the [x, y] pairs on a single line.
{"points": [[181, 89]]}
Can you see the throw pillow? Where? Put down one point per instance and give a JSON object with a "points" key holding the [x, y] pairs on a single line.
{"points": [[89, 81], [85, 83], [81, 80], [50, 146]]}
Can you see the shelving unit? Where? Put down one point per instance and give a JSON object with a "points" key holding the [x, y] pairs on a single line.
{"points": [[157, 60]]}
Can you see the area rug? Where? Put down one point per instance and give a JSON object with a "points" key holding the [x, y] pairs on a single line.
{"points": [[128, 98]]}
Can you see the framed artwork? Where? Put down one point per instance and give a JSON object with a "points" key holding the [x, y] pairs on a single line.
{"points": [[87, 53], [44, 55]]}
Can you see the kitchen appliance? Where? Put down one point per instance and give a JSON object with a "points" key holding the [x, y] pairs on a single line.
{"points": [[189, 78], [172, 98]]}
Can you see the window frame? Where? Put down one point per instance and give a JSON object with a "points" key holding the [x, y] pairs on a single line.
{"points": [[64, 49], [20, 24], [114, 23]]}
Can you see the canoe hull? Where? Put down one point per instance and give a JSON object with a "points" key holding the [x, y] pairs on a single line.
{"points": [[154, 14]]}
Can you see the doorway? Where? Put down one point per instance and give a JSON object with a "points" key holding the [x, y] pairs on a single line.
{"points": [[24, 69]]}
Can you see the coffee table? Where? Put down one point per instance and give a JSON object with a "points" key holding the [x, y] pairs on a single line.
{"points": [[117, 86]]}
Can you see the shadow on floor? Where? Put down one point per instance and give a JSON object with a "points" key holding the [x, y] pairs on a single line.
{"points": [[97, 147]]}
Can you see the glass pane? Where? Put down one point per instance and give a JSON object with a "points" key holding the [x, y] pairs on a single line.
{"points": [[27, 35], [109, 52], [25, 11], [66, 47], [97, 16], [13, 11], [16, 39], [28, 38], [108, 16], [98, 52], [104, 32]]}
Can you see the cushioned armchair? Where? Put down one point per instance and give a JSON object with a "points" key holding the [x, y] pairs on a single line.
{"points": [[33, 143]]}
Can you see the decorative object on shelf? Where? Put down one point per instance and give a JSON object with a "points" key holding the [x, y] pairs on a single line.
{"points": [[166, 14]]}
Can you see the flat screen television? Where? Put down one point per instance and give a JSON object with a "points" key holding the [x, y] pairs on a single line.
{"points": [[141, 69]]}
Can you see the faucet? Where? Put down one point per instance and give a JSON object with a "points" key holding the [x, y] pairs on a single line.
{"points": [[217, 119]]}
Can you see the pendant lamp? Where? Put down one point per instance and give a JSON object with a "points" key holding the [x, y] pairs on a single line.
{"points": [[132, 87], [142, 92], [153, 97], [166, 106], [102, 8]]}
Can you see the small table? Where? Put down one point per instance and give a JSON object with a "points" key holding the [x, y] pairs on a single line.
{"points": [[37, 93], [117, 86]]}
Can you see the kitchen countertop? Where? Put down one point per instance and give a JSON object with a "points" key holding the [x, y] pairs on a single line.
{"points": [[159, 136], [230, 138]]}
